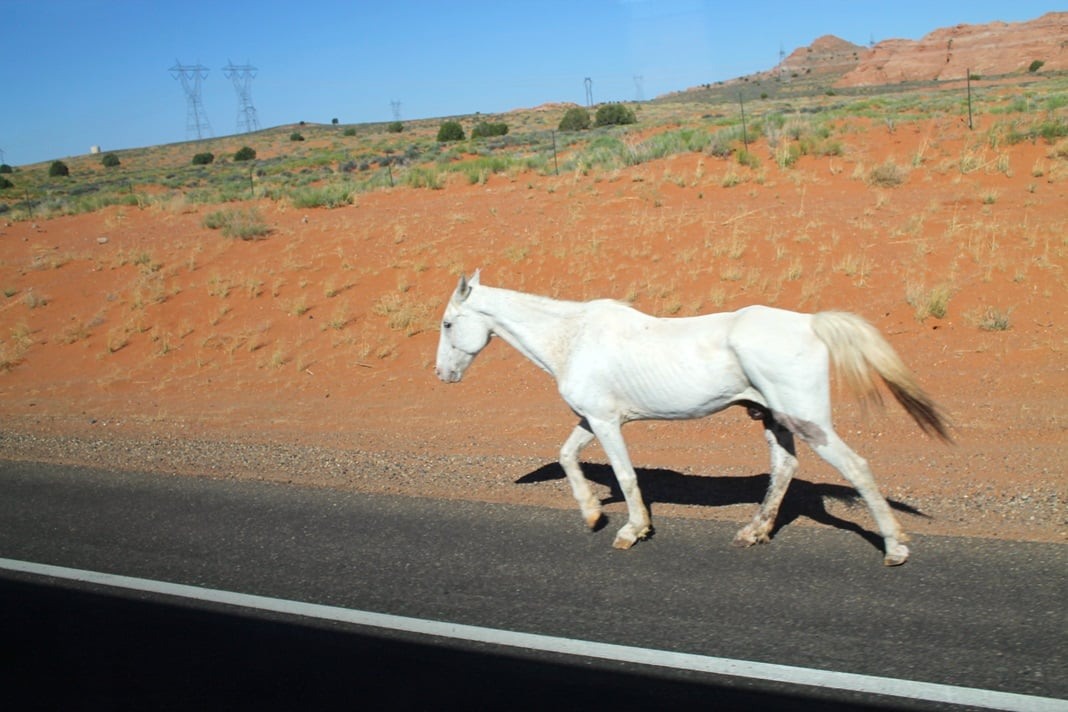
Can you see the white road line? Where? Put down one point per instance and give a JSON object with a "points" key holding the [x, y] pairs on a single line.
{"points": [[927, 691]]}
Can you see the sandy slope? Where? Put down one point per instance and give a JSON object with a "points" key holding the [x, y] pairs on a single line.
{"points": [[308, 355]]}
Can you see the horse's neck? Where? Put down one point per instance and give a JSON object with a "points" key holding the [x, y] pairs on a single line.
{"points": [[538, 327]]}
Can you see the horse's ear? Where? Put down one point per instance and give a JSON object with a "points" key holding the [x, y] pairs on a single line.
{"points": [[463, 288], [475, 276]]}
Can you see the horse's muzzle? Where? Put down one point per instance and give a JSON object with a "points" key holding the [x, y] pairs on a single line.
{"points": [[448, 376]]}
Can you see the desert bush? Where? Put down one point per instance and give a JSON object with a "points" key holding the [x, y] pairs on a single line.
{"points": [[203, 159], [613, 115], [110, 160], [4, 168], [887, 175], [58, 169], [350, 131], [672, 143], [420, 177], [5, 184], [929, 303], [485, 128], [295, 136], [395, 127], [243, 224], [325, 196], [992, 319], [748, 159], [478, 170], [245, 153], [1050, 131], [450, 131], [575, 119], [607, 152], [1035, 66]]}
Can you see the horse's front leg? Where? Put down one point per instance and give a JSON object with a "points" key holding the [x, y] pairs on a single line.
{"points": [[638, 524], [590, 506]]}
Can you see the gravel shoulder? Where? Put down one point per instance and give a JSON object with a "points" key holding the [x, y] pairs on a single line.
{"points": [[1035, 515]]}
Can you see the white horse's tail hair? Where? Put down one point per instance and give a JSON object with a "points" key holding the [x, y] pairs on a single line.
{"points": [[859, 351]]}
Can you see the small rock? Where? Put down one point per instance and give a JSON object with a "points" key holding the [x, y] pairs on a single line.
{"points": [[102, 240]]}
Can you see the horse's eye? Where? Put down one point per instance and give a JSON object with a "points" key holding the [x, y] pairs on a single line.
{"points": [[446, 325]]}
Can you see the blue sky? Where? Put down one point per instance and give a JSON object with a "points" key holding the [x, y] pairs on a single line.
{"points": [[78, 73]]}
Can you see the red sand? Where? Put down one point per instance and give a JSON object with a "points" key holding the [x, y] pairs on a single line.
{"points": [[324, 332]]}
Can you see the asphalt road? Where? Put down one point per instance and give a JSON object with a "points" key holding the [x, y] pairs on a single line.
{"points": [[974, 613]]}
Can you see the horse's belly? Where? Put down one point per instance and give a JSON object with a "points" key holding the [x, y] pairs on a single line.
{"points": [[675, 393], [675, 404]]}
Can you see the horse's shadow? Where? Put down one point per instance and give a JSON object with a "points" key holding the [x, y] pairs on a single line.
{"points": [[803, 498]]}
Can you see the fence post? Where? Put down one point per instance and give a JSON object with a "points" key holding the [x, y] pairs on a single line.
{"points": [[556, 166], [745, 135], [968, 83]]}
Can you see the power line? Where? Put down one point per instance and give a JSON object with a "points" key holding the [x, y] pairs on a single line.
{"points": [[242, 76], [191, 75]]}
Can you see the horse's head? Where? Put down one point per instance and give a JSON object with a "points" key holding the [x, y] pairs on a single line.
{"points": [[464, 333]]}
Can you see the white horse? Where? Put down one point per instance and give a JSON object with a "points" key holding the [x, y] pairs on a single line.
{"points": [[614, 364]]}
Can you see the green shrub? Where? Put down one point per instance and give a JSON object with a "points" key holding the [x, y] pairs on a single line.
{"points": [[1035, 66], [4, 168], [748, 159], [242, 224], [350, 131], [395, 127], [110, 160], [203, 159], [295, 136], [245, 153], [58, 168], [325, 196], [613, 115], [485, 129], [5, 184], [450, 131], [420, 177], [575, 119]]}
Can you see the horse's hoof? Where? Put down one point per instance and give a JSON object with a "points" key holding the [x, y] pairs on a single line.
{"points": [[594, 521], [625, 538], [746, 538], [896, 555]]}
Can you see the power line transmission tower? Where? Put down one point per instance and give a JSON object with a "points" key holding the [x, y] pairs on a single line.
{"points": [[191, 75], [589, 92], [242, 77], [639, 90], [395, 107]]}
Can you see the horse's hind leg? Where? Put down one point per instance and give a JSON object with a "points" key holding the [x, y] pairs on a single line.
{"points": [[783, 466], [855, 469], [580, 437]]}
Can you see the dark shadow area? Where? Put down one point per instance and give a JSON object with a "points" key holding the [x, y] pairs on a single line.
{"points": [[803, 498], [70, 649]]}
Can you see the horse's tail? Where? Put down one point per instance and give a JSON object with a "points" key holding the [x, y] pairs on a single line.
{"points": [[858, 349]]}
